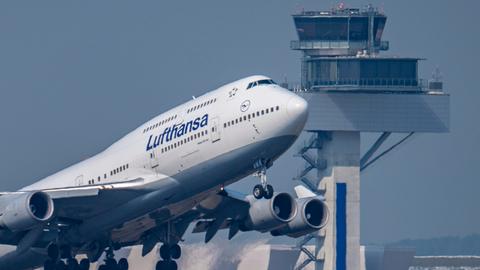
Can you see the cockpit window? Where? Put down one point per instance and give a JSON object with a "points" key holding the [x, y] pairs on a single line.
{"points": [[260, 82]]}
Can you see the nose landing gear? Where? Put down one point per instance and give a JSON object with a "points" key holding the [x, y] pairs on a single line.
{"points": [[263, 190]]}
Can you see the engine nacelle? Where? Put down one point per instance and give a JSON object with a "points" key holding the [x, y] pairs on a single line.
{"points": [[266, 215], [25, 211], [312, 216]]}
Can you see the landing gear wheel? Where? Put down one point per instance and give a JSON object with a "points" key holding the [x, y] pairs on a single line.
{"points": [[166, 265], [111, 263], [165, 252], [53, 252], [263, 190], [175, 251], [172, 265], [60, 265], [84, 264], [72, 264], [49, 265], [258, 192], [161, 265], [65, 252], [122, 264], [268, 192]]}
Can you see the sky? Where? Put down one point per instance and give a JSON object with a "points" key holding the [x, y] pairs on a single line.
{"points": [[77, 75]]}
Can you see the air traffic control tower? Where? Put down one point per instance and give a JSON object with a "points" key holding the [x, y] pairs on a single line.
{"points": [[352, 88]]}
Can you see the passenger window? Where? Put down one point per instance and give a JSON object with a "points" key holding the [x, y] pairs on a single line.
{"points": [[278, 108], [244, 118], [258, 113], [263, 112]]}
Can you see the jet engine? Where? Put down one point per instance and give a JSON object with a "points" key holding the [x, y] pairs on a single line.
{"points": [[25, 211], [266, 215], [312, 216]]}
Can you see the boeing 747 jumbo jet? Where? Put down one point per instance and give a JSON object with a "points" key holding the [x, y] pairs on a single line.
{"points": [[148, 187]]}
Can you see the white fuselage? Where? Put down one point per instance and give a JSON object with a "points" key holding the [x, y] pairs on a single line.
{"points": [[183, 142]]}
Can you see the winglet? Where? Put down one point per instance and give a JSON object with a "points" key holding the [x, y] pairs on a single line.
{"points": [[303, 192]]}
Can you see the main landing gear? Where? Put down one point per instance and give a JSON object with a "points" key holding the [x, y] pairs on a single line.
{"points": [[111, 263], [169, 253], [60, 258], [263, 190]]}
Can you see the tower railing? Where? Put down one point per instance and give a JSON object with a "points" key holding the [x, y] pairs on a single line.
{"points": [[380, 84]]}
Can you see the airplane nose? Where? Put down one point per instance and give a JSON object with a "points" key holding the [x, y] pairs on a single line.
{"points": [[297, 107]]}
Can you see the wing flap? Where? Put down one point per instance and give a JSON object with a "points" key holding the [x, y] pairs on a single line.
{"points": [[78, 203]]}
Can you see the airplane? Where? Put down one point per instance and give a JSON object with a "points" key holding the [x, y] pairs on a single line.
{"points": [[170, 172]]}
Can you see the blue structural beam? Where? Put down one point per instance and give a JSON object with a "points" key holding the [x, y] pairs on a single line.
{"points": [[341, 226]]}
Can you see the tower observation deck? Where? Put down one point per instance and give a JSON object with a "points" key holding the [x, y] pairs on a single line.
{"points": [[353, 88], [341, 52]]}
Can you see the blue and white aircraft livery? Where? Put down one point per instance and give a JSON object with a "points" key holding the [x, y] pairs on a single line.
{"points": [[148, 187], [177, 131]]}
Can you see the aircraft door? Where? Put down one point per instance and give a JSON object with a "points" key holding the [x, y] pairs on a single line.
{"points": [[154, 160], [79, 180], [215, 130]]}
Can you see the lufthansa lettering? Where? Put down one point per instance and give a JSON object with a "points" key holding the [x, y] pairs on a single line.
{"points": [[176, 131]]}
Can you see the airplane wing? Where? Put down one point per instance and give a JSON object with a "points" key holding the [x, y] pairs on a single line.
{"points": [[281, 215], [211, 212], [70, 206], [222, 211], [77, 203]]}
